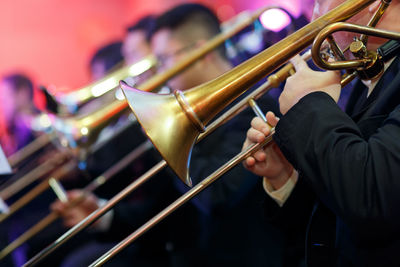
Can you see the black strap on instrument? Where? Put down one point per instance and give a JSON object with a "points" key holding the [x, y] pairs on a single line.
{"points": [[389, 50]]}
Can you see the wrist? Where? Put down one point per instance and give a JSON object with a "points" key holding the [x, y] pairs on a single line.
{"points": [[280, 180], [282, 194]]}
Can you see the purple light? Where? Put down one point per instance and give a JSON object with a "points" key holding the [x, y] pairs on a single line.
{"points": [[274, 19]]}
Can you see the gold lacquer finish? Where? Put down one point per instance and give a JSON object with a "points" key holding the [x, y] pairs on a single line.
{"points": [[84, 128], [362, 63], [174, 136], [188, 112], [210, 98], [107, 83]]}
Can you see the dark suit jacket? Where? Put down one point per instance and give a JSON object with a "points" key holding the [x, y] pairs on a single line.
{"points": [[352, 164]]}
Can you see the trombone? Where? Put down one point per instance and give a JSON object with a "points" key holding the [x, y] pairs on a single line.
{"points": [[199, 107], [84, 128], [92, 186], [68, 102], [30, 149], [73, 100]]}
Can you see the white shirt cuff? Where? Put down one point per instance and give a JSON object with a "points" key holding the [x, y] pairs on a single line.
{"points": [[282, 194]]}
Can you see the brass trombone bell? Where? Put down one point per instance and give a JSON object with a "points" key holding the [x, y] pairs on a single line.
{"points": [[191, 110]]}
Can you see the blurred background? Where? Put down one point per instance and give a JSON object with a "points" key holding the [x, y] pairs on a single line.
{"points": [[53, 40]]}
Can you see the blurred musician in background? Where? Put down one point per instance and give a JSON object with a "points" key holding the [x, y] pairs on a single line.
{"points": [[136, 43], [106, 59], [17, 111], [128, 215], [17, 94], [343, 167]]}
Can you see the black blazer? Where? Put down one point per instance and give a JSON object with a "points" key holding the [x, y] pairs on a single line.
{"points": [[352, 164]]}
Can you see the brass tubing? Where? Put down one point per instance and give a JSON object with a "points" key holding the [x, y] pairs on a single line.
{"points": [[282, 74], [96, 183], [34, 175], [231, 84], [375, 19], [273, 81], [107, 83], [28, 234], [207, 100], [343, 26], [96, 214], [102, 116], [244, 75], [37, 190], [179, 202], [30, 149], [122, 163]]}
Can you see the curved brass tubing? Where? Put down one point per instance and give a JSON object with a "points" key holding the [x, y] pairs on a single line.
{"points": [[204, 102], [84, 127], [174, 134], [343, 26]]}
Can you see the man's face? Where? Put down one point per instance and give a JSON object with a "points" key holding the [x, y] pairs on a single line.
{"points": [[135, 47], [169, 51]]}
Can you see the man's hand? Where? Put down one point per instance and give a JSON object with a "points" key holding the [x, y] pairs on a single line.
{"points": [[73, 215], [306, 81], [268, 162]]}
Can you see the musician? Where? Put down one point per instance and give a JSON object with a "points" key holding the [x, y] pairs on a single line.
{"points": [[105, 59], [17, 111], [136, 43], [136, 209], [200, 237], [346, 164], [226, 205]]}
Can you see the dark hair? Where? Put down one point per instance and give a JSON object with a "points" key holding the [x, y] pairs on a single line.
{"points": [[190, 14], [109, 54], [145, 24], [20, 82]]}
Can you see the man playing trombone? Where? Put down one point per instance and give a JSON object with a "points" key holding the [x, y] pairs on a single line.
{"points": [[223, 208], [346, 165]]}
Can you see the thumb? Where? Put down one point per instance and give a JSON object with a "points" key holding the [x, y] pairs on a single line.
{"points": [[298, 63]]}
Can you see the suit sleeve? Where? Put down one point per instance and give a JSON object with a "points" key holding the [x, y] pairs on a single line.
{"points": [[354, 176]]}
